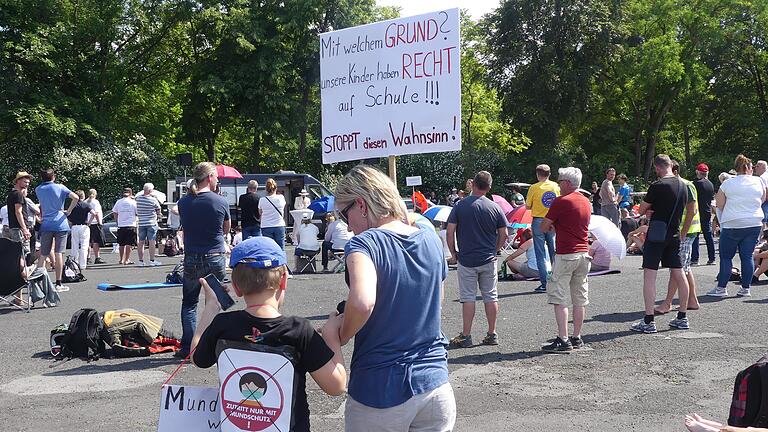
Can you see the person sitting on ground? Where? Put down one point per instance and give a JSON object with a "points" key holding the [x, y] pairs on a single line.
{"points": [[528, 268], [260, 276], [628, 223], [636, 239], [601, 258], [760, 258], [306, 239]]}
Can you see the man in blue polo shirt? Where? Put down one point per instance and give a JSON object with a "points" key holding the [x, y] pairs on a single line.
{"points": [[54, 225]]}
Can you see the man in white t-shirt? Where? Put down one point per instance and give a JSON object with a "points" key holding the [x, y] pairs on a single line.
{"points": [[125, 215]]}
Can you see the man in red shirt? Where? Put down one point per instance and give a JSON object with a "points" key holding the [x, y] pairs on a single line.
{"points": [[569, 218]]}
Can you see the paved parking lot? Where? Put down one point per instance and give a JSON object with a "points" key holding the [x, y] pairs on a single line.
{"points": [[621, 381]]}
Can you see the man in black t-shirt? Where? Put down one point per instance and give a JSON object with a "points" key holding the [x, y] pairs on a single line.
{"points": [[17, 230], [705, 191], [666, 199], [249, 211], [259, 276], [80, 233]]}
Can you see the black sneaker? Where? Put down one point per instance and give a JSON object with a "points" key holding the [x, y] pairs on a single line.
{"points": [[711, 262], [576, 341], [540, 289], [182, 354], [558, 346], [99, 261]]}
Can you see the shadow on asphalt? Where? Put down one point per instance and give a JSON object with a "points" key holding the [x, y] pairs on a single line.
{"points": [[480, 298], [709, 299], [491, 357], [616, 317], [761, 301], [107, 365]]}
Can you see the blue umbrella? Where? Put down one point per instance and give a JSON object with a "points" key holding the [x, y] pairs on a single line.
{"points": [[323, 204]]}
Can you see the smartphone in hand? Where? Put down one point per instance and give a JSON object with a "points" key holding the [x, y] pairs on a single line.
{"points": [[225, 300]]}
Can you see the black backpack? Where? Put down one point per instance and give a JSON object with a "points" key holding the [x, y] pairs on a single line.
{"points": [[84, 336], [749, 406], [176, 276], [72, 272], [170, 248]]}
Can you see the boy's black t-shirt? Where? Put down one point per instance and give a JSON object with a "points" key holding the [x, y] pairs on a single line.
{"points": [[312, 352]]}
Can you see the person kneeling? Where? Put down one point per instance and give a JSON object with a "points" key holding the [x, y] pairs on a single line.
{"points": [[259, 275]]}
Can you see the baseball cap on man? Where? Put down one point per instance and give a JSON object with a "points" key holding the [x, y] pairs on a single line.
{"points": [[21, 175], [702, 167], [258, 252]]}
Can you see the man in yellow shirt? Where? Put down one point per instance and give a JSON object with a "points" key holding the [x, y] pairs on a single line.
{"points": [[538, 200]]}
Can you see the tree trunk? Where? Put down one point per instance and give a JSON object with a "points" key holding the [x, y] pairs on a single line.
{"points": [[638, 151], [256, 150], [211, 148], [687, 141], [303, 112], [654, 126]]}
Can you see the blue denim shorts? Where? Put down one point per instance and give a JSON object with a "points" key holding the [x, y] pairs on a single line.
{"points": [[148, 233]]}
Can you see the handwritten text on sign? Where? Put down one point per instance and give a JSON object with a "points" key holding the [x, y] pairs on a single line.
{"points": [[391, 88]]}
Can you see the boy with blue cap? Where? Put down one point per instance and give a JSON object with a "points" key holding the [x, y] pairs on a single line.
{"points": [[259, 275]]}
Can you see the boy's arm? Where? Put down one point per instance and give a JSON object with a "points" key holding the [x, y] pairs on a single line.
{"points": [[210, 311], [332, 377]]}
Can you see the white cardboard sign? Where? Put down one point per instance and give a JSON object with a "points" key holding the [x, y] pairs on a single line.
{"points": [[189, 409], [413, 181], [391, 88]]}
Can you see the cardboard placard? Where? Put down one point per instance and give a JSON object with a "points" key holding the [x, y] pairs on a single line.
{"points": [[391, 88], [189, 409]]}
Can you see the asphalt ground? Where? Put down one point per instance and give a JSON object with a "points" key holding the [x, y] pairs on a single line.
{"points": [[621, 381]]}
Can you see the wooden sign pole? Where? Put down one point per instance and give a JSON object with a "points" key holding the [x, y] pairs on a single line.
{"points": [[393, 169]]}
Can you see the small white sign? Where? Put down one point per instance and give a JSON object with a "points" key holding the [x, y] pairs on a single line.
{"points": [[188, 408], [413, 181]]}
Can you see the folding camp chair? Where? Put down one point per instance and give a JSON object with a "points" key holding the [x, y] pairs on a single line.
{"points": [[338, 257], [307, 260], [513, 232], [12, 281]]}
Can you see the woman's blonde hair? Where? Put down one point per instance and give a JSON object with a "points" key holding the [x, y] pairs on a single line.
{"points": [[741, 163], [200, 173], [375, 188], [270, 186], [92, 193]]}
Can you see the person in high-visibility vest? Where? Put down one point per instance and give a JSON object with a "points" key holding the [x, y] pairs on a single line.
{"points": [[686, 246]]}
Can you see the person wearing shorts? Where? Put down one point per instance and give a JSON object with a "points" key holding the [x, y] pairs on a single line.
{"points": [[54, 225], [668, 197], [95, 224], [125, 215], [569, 217], [148, 212], [480, 227], [688, 235]]}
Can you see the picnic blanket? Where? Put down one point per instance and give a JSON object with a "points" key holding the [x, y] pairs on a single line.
{"points": [[151, 285]]}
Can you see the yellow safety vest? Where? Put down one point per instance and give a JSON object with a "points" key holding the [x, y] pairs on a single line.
{"points": [[696, 223]]}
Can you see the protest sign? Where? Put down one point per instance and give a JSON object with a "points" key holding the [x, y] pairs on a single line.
{"points": [[189, 409], [391, 88], [413, 181]]}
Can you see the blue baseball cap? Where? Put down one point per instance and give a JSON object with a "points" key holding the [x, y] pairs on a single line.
{"points": [[258, 252]]}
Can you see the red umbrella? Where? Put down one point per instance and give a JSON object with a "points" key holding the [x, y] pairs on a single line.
{"points": [[225, 171]]}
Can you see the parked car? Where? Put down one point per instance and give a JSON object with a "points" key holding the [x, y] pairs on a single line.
{"points": [[109, 227]]}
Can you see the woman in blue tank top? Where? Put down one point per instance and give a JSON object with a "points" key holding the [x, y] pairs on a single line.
{"points": [[399, 364]]}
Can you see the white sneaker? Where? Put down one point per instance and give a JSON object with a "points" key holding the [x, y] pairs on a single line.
{"points": [[154, 263], [718, 292], [744, 292], [140, 264], [61, 288]]}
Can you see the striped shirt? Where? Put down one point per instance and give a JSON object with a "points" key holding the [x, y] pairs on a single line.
{"points": [[146, 210]]}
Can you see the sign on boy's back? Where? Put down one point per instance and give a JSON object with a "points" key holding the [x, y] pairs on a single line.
{"points": [[391, 88], [189, 409]]}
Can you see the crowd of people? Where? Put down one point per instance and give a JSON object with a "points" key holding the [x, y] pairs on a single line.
{"points": [[396, 269]]}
